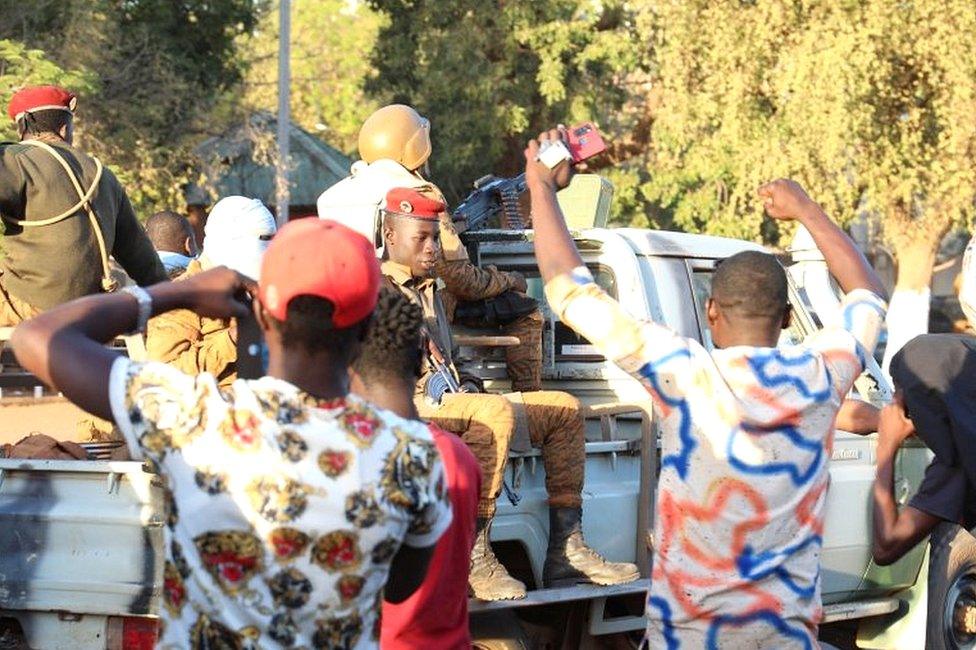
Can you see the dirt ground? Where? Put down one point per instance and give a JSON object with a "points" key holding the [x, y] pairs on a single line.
{"points": [[55, 416]]}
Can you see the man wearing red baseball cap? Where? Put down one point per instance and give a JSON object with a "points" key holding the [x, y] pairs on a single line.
{"points": [[288, 489], [64, 214], [411, 236]]}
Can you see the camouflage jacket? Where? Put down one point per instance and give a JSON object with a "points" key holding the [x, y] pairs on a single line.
{"points": [[192, 343]]}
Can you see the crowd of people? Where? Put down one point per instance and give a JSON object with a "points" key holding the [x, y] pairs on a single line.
{"points": [[345, 498]]}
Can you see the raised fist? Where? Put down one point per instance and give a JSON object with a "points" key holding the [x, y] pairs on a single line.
{"points": [[784, 199]]}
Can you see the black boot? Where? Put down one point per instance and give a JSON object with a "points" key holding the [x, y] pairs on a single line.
{"points": [[570, 561]]}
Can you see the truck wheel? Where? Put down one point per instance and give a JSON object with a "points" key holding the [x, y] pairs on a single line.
{"points": [[951, 619]]}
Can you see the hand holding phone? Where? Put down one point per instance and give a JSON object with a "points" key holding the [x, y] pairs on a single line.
{"points": [[581, 142]]}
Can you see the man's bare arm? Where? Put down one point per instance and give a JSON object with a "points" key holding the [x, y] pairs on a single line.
{"points": [[555, 250], [784, 199], [895, 533], [856, 416]]}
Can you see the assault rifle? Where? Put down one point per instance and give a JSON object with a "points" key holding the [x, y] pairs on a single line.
{"points": [[492, 197]]}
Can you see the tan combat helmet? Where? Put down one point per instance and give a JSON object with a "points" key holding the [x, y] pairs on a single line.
{"points": [[396, 132]]}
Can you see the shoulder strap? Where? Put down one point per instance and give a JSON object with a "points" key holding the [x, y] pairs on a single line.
{"points": [[84, 202]]}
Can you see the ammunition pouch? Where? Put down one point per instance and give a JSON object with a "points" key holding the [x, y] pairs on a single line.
{"points": [[499, 311]]}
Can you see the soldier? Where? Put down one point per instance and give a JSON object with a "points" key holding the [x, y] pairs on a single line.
{"points": [[411, 234], [237, 233], [63, 213], [395, 145]]}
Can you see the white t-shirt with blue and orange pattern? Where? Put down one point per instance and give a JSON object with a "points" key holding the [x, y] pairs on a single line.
{"points": [[746, 433]]}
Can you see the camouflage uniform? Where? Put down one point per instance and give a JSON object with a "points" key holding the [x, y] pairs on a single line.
{"points": [[464, 281], [193, 344], [487, 422]]}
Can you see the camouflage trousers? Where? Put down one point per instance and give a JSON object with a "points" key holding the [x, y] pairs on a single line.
{"points": [[524, 361], [486, 423]]}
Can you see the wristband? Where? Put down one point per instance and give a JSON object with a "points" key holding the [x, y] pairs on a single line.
{"points": [[144, 301]]}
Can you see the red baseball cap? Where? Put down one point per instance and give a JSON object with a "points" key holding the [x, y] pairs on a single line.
{"points": [[411, 203], [41, 98], [323, 258]]}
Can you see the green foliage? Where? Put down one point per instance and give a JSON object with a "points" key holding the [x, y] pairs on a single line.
{"points": [[20, 66], [869, 104], [328, 67], [488, 74], [162, 68]]}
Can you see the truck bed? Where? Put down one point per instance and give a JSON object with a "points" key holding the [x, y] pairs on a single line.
{"points": [[84, 537]]}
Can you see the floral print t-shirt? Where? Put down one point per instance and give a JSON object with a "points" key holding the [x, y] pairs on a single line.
{"points": [[285, 511], [746, 433]]}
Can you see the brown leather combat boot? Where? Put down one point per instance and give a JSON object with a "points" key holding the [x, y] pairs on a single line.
{"points": [[488, 579], [570, 561]]}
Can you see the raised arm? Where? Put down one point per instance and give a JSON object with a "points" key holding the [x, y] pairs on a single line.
{"points": [[554, 248], [65, 347], [643, 348], [786, 200]]}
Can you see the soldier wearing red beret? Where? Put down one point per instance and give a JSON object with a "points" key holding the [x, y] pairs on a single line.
{"points": [[64, 214], [487, 423]]}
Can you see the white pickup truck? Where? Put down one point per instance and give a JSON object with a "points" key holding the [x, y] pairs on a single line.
{"points": [[666, 277], [80, 541]]}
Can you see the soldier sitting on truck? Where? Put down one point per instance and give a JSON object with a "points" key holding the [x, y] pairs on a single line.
{"points": [[411, 234], [172, 236], [239, 230], [298, 507], [385, 373], [746, 430], [395, 146], [935, 390], [64, 215]]}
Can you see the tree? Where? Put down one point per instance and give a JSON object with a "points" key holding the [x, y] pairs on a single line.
{"points": [[871, 105], [166, 74], [328, 67], [20, 66], [488, 74]]}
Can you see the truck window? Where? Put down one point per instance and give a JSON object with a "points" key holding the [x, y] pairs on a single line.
{"points": [[570, 346], [701, 282]]}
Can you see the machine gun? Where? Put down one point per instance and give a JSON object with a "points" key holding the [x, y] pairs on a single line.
{"points": [[492, 197]]}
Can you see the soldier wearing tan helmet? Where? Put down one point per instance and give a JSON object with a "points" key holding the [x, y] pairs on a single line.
{"points": [[395, 145], [396, 132]]}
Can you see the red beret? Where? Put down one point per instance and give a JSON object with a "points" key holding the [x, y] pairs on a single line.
{"points": [[40, 98], [411, 203]]}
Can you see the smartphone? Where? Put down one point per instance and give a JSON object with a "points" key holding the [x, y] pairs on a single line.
{"points": [[252, 351], [585, 142]]}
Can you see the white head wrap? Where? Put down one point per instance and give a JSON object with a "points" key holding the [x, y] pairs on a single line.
{"points": [[237, 233]]}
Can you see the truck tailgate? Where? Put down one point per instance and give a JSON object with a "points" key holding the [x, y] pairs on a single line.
{"points": [[80, 536]]}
